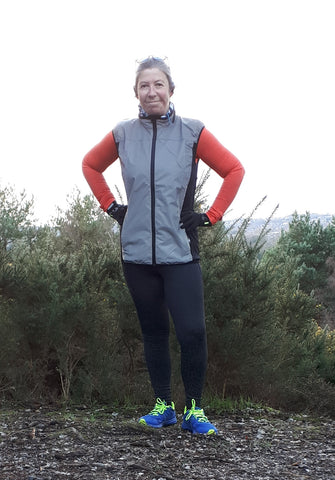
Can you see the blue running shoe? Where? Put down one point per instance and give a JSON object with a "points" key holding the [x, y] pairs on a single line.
{"points": [[196, 421], [162, 415]]}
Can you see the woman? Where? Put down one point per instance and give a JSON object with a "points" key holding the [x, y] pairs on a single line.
{"points": [[159, 153]]}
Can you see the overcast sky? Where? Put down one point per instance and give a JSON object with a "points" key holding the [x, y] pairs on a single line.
{"points": [[259, 73]]}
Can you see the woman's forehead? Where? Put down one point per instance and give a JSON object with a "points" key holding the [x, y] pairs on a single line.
{"points": [[152, 74]]}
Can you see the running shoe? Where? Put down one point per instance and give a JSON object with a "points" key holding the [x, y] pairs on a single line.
{"points": [[196, 421], [162, 415]]}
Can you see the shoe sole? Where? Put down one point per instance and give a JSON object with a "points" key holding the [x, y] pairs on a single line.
{"points": [[210, 431], [160, 425]]}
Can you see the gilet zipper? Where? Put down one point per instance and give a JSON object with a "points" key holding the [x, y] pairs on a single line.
{"points": [[153, 193]]}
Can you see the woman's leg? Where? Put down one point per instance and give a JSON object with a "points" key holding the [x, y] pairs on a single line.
{"points": [[147, 290], [184, 295]]}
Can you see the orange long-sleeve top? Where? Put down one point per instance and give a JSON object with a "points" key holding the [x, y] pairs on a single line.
{"points": [[209, 150]]}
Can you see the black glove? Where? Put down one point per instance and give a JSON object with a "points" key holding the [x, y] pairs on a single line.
{"points": [[191, 220], [117, 212]]}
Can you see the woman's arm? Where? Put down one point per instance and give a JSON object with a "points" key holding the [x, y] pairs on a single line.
{"points": [[95, 163], [223, 162]]}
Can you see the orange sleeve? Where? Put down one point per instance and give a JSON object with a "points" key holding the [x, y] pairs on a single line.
{"points": [[95, 163], [223, 162]]}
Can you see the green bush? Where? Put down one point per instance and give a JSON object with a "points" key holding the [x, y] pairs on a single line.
{"points": [[260, 323], [69, 328]]}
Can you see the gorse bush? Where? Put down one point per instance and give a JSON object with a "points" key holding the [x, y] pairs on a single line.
{"points": [[69, 329], [261, 321], [62, 299]]}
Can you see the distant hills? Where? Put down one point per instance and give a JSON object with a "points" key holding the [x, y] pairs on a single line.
{"points": [[275, 226]]}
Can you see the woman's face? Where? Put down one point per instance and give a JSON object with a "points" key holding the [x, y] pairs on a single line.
{"points": [[153, 91]]}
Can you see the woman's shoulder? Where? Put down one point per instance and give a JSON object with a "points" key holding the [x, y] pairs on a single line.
{"points": [[127, 121], [193, 124], [123, 125]]}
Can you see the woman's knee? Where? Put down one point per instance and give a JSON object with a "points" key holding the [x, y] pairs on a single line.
{"points": [[192, 337]]}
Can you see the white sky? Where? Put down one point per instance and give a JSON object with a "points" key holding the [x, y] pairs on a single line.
{"points": [[259, 73]]}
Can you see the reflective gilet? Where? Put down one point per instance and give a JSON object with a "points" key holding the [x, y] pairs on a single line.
{"points": [[159, 169]]}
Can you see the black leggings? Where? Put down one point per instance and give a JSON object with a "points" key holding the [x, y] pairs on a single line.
{"points": [[178, 289]]}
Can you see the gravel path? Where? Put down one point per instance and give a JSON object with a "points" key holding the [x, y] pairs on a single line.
{"points": [[42, 444]]}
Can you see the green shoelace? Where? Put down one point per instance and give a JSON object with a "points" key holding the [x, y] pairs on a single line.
{"points": [[160, 407], [198, 413]]}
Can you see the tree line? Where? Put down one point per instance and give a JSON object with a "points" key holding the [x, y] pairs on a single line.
{"points": [[69, 330]]}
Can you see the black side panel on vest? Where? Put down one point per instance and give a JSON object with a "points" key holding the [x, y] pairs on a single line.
{"points": [[189, 204]]}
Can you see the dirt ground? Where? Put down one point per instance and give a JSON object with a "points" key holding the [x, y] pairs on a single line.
{"points": [[51, 444]]}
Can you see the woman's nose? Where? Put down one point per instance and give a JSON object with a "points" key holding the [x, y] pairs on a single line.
{"points": [[152, 90]]}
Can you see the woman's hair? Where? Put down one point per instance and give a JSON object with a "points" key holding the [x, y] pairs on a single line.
{"points": [[154, 62]]}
